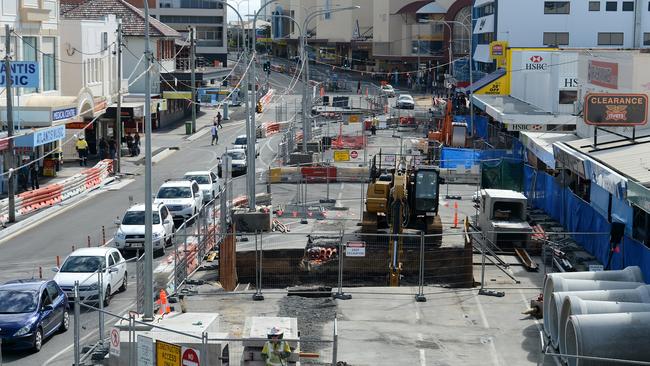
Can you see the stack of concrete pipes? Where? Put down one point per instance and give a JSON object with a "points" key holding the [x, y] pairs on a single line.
{"points": [[598, 318]]}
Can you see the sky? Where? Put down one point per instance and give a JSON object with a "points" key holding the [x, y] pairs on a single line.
{"points": [[244, 7]]}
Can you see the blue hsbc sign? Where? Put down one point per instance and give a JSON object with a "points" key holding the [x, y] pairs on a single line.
{"points": [[24, 74], [41, 137], [61, 114]]}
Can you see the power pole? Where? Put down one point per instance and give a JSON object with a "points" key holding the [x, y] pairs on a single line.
{"points": [[10, 125], [193, 80], [250, 139], [148, 200], [118, 118]]}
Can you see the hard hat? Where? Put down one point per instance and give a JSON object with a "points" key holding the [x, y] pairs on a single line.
{"points": [[81, 137], [275, 332]]}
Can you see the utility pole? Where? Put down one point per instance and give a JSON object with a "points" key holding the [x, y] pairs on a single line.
{"points": [[118, 117], [10, 126], [250, 139], [148, 199], [193, 79]]}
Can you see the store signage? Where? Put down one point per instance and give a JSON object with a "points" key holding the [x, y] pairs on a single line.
{"points": [[603, 74], [498, 52], [616, 109], [568, 82], [61, 114], [41, 137], [536, 63], [24, 74], [525, 127]]}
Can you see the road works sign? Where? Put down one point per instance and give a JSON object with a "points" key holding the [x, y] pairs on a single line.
{"points": [[355, 249], [603, 109], [190, 357], [341, 155], [24, 74], [167, 354], [115, 342]]}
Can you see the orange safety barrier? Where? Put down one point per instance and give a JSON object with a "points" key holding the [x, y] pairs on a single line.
{"points": [[349, 142], [318, 173]]}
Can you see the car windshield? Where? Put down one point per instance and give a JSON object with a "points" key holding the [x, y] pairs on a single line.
{"points": [[200, 179], [405, 97], [175, 192], [237, 155], [82, 264], [18, 301], [240, 141], [137, 218]]}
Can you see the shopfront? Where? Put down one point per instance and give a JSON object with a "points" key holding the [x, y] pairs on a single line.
{"points": [[42, 143]]}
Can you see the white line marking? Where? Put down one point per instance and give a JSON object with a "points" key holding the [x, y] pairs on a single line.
{"points": [[423, 359], [486, 325]]}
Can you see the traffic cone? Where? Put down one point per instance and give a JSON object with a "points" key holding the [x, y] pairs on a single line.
{"points": [[455, 215], [164, 305]]}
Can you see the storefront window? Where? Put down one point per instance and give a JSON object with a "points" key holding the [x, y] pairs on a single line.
{"points": [[30, 45], [49, 63]]}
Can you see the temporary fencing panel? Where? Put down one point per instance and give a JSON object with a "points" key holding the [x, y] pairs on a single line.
{"points": [[503, 175]]}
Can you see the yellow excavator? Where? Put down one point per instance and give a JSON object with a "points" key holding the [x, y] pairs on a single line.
{"points": [[405, 196]]}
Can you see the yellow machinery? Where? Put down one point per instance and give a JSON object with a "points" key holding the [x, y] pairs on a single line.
{"points": [[404, 197]]}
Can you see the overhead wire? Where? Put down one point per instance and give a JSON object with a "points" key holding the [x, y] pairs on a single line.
{"points": [[52, 56]]}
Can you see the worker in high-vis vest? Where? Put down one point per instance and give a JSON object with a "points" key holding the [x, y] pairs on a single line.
{"points": [[276, 351], [82, 149]]}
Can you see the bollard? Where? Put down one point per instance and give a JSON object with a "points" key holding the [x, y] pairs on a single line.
{"points": [[58, 261], [73, 248], [88, 241], [455, 215], [103, 235], [40, 272]]}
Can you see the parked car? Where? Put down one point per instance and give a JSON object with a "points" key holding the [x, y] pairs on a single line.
{"points": [[388, 90], [30, 312], [241, 143], [183, 198], [207, 181], [405, 101], [237, 162], [84, 264], [130, 234]]}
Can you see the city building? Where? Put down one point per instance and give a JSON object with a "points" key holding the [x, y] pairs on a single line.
{"points": [[208, 17], [570, 24]]}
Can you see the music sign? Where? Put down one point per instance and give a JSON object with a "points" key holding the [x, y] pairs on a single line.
{"points": [[616, 109]]}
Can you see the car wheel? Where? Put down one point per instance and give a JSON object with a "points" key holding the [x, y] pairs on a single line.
{"points": [[160, 252], [38, 340], [125, 282], [65, 322], [107, 296]]}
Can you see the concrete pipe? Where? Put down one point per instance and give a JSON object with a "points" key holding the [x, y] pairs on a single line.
{"points": [[629, 274], [574, 305], [639, 294], [622, 336]]}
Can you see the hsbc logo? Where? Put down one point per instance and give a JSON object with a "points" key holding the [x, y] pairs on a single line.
{"points": [[536, 64]]}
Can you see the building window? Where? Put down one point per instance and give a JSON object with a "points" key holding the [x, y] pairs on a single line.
{"points": [[49, 63], [327, 8], [646, 39], [198, 4], [628, 5], [640, 225], [485, 38], [568, 96], [610, 39], [594, 6], [30, 45], [292, 14], [189, 19], [556, 38], [557, 7], [485, 10], [611, 6]]}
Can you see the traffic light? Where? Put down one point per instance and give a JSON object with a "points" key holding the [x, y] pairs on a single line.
{"points": [[267, 67]]}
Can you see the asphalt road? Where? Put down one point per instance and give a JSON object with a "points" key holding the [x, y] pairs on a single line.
{"points": [[39, 244]]}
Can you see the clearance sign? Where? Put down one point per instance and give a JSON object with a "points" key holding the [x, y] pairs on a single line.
{"points": [[616, 109]]}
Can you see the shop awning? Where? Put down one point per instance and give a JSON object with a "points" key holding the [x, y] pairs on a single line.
{"points": [[432, 8], [518, 115], [128, 110], [541, 144], [484, 81]]}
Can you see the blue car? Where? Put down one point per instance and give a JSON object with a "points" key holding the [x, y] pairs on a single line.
{"points": [[31, 311]]}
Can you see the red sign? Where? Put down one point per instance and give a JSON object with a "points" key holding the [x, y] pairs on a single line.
{"points": [[190, 357], [536, 59], [497, 50], [4, 144], [603, 74], [354, 154], [616, 109]]}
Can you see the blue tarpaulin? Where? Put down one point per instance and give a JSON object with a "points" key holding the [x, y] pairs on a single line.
{"points": [[453, 157]]}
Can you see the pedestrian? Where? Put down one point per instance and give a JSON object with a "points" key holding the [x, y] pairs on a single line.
{"points": [[33, 174], [111, 147], [375, 123], [215, 134], [103, 146], [129, 143], [276, 351], [82, 150], [136, 143], [219, 120], [359, 87]]}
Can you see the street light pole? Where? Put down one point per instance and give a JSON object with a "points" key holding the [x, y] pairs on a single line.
{"points": [[10, 127], [193, 76], [148, 199]]}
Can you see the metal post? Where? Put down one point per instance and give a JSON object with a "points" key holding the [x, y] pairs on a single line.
{"points": [[482, 265], [339, 294], [250, 139], [118, 114], [420, 295], [10, 127], [305, 65], [204, 348], [100, 292], [197, 220], [132, 339], [193, 77], [304, 202], [258, 273], [77, 326], [148, 214], [335, 344]]}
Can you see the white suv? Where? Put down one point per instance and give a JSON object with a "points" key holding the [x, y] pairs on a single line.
{"points": [[208, 183], [130, 234], [241, 142], [183, 198]]}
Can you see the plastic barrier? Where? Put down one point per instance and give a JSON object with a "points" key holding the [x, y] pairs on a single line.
{"points": [[349, 142], [318, 174], [352, 174]]}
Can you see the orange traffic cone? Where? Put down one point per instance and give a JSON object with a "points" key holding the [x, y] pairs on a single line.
{"points": [[455, 215], [164, 305]]}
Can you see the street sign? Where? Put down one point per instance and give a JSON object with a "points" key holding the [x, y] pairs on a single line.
{"points": [[603, 109], [145, 351], [190, 357], [354, 154], [115, 342], [355, 249], [24, 74], [167, 354], [341, 155]]}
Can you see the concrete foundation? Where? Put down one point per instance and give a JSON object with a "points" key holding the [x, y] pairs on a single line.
{"points": [[300, 158], [250, 222]]}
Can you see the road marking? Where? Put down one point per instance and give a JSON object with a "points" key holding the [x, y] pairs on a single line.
{"points": [[486, 325]]}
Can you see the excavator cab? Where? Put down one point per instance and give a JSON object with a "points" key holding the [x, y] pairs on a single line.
{"points": [[426, 191]]}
